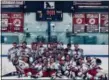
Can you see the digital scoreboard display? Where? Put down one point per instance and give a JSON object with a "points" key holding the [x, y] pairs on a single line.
{"points": [[49, 15]]}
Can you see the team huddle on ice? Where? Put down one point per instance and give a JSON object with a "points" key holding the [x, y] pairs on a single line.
{"points": [[53, 60]]}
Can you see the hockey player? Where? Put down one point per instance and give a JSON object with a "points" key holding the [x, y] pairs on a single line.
{"points": [[34, 53], [26, 70], [69, 50], [35, 70], [60, 45], [45, 68], [77, 52], [90, 62], [52, 67], [68, 65], [96, 72], [46, 54], [39, 63], [38, 66], [68, 61], [62, 68], [80, 69], [12, 52], [40, 48], [24, 50], [21, 65], [58, 58]]}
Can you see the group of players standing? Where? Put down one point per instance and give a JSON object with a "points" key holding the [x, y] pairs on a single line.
{"points": [[54, 60]]}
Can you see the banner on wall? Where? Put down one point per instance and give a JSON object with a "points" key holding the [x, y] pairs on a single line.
{"points": [[5, 22], [17, 20], [79, 23], [92, 22], [12, 22], [104, 22]]}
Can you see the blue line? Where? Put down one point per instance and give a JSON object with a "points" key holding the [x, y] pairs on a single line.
{"points": [[84, 55], [97, 55], [4, 55]]}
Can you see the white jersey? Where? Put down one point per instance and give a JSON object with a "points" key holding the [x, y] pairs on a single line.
{"points": [[40, 51], [53, 65], [77, 53], [34, 53], [60, 46], [70, 52], [63, 67], [12, 53], [38, 66], [91, 64], [25, 51], [22, 65], [70, 64], [82, 69]]}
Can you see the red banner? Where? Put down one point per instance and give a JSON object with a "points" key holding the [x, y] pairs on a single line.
{"points": [[92, 19], [79, 19], [79, 22], [5, 22], [104, 20], [92, 22], [17, 20]]}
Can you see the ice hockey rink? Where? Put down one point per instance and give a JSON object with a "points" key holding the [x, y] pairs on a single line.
{"points": [[51, 21]]}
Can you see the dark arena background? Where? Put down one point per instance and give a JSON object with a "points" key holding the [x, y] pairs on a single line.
{"points": [[49, 40]]}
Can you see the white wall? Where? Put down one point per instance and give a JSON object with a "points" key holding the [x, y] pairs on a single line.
{"points": [[88, 49]]}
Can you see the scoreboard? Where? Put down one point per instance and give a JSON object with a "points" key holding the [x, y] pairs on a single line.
{"points": [[49, 12], [49, 15]]}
